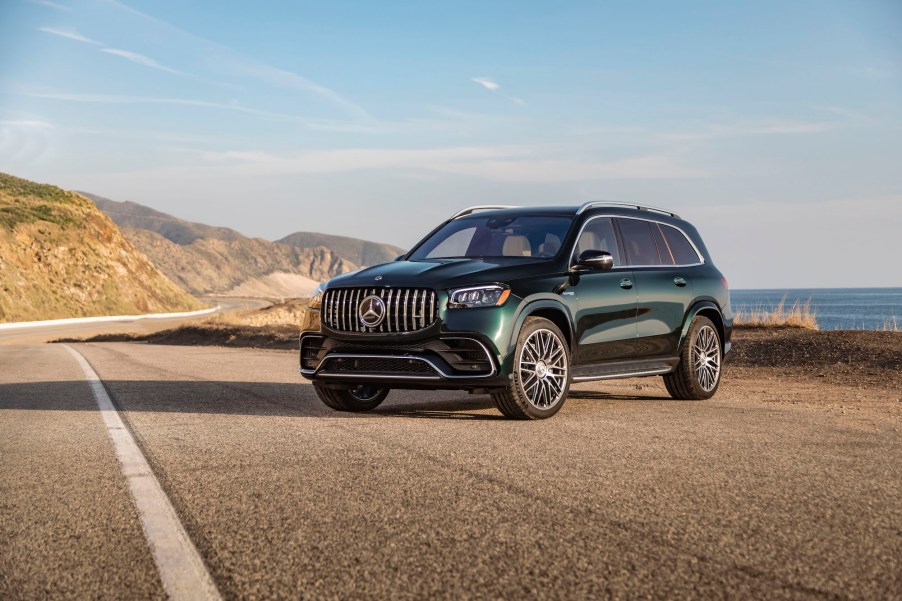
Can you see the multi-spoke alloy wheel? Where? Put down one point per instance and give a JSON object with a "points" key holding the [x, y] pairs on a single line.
{"points": [[541, 377], [698, 374], [706, 358], [543, 369]]}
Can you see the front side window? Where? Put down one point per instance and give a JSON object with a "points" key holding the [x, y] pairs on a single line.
{"points": [[639, 242], [599, 235], [529, 236]]}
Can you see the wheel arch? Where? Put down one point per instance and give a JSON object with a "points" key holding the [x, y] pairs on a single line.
{"points": [[709, 309], [554, 311]]}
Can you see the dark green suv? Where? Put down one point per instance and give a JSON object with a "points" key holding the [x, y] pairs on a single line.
{"points": [[520, 302]]}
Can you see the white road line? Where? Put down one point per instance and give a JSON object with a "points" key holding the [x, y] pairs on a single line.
{"points": [[181, 568], [103, 319]]}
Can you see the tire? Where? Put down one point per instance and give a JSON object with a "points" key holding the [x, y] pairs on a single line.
{"points": [[542, 374], [697, 378], [362, 398]]}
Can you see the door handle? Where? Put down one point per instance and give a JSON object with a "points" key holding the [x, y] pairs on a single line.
{"points": [[681, 282], [626, 283]]}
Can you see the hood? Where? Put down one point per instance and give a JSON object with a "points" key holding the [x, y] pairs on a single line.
{"points": [[444, 273]]}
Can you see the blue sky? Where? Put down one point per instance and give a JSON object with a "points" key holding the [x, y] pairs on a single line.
{"points": [[776, 127]]}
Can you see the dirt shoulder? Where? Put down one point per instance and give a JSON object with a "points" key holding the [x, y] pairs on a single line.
{"points": [[861, 359]]}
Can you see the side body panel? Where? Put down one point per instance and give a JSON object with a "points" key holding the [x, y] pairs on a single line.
{"points": [[662, 306]]}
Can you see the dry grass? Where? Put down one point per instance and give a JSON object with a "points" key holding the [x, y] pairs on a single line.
{"points": [[286, 313], [799, 315], [891, 325]]}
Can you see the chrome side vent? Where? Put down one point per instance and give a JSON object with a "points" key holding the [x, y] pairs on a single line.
{"points": [[406, 309]]}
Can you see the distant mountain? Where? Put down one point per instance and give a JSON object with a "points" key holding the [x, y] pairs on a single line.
{"points": [[205, 259], [60, 257], [133, 215], [361, 252]]}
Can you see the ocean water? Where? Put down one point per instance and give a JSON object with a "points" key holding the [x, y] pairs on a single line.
{"points": [[837, 308]]}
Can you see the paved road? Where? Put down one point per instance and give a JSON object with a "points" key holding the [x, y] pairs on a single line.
{"points": [[624, 494], [48, 333]]}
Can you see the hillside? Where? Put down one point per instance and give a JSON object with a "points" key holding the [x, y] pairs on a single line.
{"points": [[204, 259], [61, 257], [360, 252]]}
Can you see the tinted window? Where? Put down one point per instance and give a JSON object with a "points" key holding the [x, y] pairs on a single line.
{"points": [[455, 245], [639, 242], [493, 237], [680, 247], [663, 249], [599, 235]]}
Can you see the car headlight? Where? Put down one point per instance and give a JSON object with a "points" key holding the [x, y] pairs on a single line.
{"points": [[316, 300], [481, 296]]}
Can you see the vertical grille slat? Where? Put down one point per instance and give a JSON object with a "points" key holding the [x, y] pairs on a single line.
{"points": [[423, 312], [406, 309]]}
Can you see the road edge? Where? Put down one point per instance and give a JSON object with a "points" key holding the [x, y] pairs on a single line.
{"points": [[105, 318], [182, 570]]}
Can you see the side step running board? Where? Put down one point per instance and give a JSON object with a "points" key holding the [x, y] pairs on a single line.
{"points": [[624, 369]]}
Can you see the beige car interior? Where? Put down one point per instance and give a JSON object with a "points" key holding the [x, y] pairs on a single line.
{"points": [[517, 246]]}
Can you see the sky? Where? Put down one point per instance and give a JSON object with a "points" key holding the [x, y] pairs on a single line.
{"points": [[775, 127]]}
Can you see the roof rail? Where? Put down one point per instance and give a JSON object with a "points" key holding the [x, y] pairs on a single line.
{"points": [[607, 203], [472, 210]]}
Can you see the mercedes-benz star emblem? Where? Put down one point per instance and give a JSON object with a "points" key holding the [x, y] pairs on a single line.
{"points": [[371, 311]]}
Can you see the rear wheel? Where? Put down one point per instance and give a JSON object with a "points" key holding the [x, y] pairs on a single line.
{"points": [[541, 378], [697, 377], [361, 398]]}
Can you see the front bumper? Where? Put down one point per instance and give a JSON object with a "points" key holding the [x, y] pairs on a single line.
{"points": [[452, 361]]}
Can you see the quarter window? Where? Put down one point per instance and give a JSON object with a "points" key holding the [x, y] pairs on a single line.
{"points": [[639, 242], [599, 235], [682, 250]]}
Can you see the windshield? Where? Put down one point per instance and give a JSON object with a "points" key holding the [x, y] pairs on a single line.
{"points": [[496, 237]]}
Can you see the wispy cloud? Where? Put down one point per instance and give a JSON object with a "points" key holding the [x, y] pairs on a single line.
{"points": [[768, 128], [50, 4], [71, 34], [27, 123], [487, 83], [225, 61], [140, 59], [493, 86], [317, 124], [496, 163]]}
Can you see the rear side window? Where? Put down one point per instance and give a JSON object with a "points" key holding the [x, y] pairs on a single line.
{"points": [[681, 249], [639, 242]]}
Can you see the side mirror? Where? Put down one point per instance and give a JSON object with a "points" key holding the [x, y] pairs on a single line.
{"points": [[595, 260], [399, 257]]}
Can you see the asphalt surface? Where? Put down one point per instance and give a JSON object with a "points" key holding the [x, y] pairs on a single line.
{"points": [[762, 492], [51, 332]]}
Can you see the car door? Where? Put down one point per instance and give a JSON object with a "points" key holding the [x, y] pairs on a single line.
{"points": [[606, 300], [663, 289]]}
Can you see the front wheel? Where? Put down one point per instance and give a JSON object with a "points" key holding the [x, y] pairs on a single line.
{"points": [[541, 378], [697, 377], [361, 398]]}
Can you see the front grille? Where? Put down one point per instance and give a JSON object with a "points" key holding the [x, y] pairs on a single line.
{"points": [[406, 309], [377, 365]]}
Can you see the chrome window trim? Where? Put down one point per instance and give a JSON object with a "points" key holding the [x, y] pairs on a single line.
{"points": [[432, 364], [679, 229]]}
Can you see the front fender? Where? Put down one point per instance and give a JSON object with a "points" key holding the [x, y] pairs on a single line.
{"points": [[537, 303]]}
